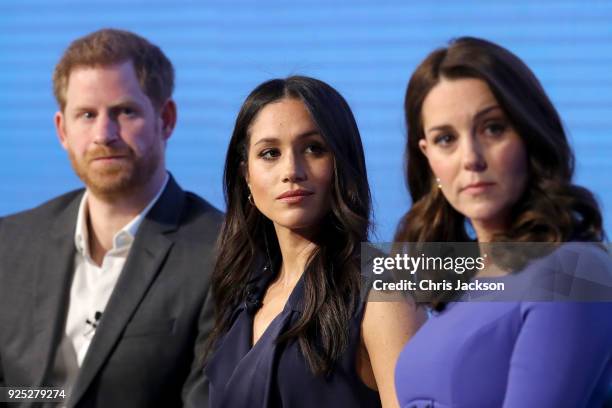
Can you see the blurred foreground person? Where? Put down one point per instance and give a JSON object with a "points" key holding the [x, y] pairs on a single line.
{"points": [[101, 289], [486, 148]]}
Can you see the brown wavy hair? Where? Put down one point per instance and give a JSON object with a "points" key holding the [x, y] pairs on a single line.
{"points": [[332, 274], [552, 209]]}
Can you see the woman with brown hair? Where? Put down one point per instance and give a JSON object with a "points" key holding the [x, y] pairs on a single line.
{"points": [[486, 151], [292, 326]]}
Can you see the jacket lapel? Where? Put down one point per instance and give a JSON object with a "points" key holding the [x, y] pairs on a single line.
{"points": [[52, 288], [148, 251]]}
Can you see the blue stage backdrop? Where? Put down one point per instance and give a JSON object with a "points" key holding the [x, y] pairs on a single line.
{"points": [[366, 49]]}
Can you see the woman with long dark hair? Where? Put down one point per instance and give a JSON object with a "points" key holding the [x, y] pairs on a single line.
{"points": [[487, 155], [292, 328]]}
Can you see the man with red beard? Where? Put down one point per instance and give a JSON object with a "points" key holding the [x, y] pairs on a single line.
{"points": [[104, 290]]}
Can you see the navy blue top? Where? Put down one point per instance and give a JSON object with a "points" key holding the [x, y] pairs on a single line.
{"points": [[277, 375]]}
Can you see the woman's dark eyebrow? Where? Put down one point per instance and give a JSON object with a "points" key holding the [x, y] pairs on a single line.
{"points": [[476, 117], [439, 127], [266, 140], [272, 139]]}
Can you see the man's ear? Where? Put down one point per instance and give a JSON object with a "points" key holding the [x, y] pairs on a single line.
{"points": [[423, 146], [168, 116], [60, 128]]}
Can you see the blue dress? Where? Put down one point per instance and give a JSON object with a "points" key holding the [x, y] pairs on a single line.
{"points": [[514, 353], [277, 375]]}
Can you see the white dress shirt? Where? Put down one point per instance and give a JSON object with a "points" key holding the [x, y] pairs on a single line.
{"points": [[91, 288]]}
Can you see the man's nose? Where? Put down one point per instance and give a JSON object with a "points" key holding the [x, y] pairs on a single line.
{"points": [[106, 130]]}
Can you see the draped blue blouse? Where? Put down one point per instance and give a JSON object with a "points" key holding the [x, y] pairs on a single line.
{"points": [[269, 374]]}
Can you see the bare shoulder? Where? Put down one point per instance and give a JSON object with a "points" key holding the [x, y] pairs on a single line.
{"points": [[392, 319], [386, 327]]}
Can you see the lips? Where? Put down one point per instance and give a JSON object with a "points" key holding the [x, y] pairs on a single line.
{"points": [[478, 186], [294, 195], [101, 156]]}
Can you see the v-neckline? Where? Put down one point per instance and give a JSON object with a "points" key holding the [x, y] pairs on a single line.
{"points": [[290, 303], [267, 330]]}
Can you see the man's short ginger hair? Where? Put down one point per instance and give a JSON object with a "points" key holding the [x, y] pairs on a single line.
{"points": [[111, 46]]}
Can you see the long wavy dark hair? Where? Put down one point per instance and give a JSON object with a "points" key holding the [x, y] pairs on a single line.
{"points": [[332, 275], [552, 209]]}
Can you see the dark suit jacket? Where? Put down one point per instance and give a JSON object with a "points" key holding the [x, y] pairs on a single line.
{"points": [[143, 348]]}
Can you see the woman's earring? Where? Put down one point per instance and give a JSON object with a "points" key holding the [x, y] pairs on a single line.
{"points": [[438, 181], [250, 198]]}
